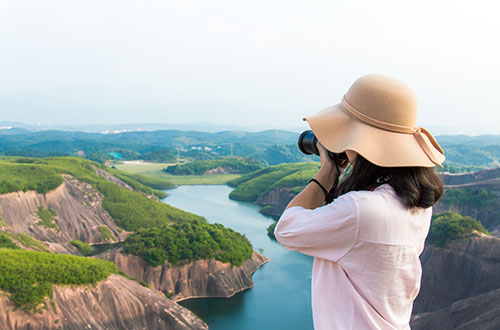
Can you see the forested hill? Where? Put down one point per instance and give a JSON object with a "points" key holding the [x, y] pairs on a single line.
{"points": [[272, 146], [464, 153], [74, 206]]}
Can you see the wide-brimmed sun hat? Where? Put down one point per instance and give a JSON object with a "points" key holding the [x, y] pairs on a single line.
{"points": [[377, 119]]}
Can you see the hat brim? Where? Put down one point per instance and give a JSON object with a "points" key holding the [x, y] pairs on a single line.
{"points": [[338, 131]]}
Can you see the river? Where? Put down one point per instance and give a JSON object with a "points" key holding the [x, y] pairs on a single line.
{"points": [[281, 298]]}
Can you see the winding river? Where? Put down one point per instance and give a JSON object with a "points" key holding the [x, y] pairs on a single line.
{"points": [[281, 298]]}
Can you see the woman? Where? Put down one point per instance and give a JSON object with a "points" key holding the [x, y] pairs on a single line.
{"points": [[366, 243]]}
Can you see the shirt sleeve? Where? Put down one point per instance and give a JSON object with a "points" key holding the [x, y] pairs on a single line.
{"points": [[327, 232]]}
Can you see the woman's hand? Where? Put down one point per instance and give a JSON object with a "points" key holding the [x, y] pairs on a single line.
{"points": [[328, 173], [313, 196]]}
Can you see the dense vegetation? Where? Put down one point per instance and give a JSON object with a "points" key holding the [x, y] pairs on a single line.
{"points": [[24, 176], [133, 212], [143, 183], [160, 156], [83, 248], [449, 226], [29, 275], [229, 164], [47, 218], [479, 199], [6, 242], [251, 186], [106, 233], [27, 241], [189, 241], [474, 157], [270, 230]]}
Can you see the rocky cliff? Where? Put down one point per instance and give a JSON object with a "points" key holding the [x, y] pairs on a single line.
{"points": [[465, 268], [475, 182], [275, 201], [115, 303], [488, 178], [479, 312], [198, 279], [79, 214]]}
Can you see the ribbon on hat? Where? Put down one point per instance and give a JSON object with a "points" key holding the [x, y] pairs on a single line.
{"points": [[418, 132]]}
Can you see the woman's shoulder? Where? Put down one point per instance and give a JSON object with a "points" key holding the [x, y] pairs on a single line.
{"points": [[383, 218], [382, 192]]}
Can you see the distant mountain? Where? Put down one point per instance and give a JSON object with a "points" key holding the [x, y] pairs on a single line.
{"points": [[463, 153], [478, 141], [128, 127]]}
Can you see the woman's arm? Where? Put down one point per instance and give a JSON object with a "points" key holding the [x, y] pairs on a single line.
{"points": [[312, 196]]}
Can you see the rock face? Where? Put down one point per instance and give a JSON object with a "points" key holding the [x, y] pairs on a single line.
{"points": [[489, 218], [79, 215], [277, 198], [115, 303], [198, 279], [106, 175], [218, 170], [479, 312], [487, 179], [464, 269]]}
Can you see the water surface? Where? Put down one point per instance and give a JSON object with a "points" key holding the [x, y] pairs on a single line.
{"points": [[281, 298]]}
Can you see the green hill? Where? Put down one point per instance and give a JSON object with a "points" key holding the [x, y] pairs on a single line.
{"points": [[189, 241], [449, 226], [28, 275], [251, 186], [130, 210], [227, 164]]}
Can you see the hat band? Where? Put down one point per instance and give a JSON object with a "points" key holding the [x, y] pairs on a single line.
{"points": [[418, 132], [347, 107]]}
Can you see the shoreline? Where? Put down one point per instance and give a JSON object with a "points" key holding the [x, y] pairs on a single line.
{"points": [[229, 296]]}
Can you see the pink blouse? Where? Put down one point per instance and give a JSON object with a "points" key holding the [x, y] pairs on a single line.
{"points": [[366, 248]]}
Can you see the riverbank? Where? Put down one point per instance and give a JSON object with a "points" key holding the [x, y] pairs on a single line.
{"points": [[281, 297]]}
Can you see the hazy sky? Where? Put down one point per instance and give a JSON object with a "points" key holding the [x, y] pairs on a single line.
{"points": [[256, 63]]}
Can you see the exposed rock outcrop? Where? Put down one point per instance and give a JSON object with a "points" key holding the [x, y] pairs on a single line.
{"points": [[488, 178], [198, 279], [276, 200], [106, 175], [464, 269], [479, 312], [218, 170], [489, 217], [115, 303], [79, 214]]}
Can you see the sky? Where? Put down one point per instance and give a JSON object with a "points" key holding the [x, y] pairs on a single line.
{"points": [[256, 64]]}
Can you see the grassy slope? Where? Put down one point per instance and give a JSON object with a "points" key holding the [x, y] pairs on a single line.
{"points": [[29, 275], [131, 211], [251, 186]]}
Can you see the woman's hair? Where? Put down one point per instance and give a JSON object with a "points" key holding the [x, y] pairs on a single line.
{"points": [[415, 186]]}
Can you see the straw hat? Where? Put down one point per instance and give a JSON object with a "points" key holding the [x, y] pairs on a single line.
{"points": [[377, 119]]}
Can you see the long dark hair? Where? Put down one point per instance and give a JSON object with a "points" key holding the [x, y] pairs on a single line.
{"points": [[415, 186]]}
